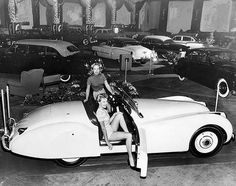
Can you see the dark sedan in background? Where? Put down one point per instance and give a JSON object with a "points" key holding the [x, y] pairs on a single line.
{"points": [[164, 46], [210, 67], [54, 56]]}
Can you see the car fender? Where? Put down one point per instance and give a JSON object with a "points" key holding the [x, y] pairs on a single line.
{"points": [[173, 134], [58, 140]]}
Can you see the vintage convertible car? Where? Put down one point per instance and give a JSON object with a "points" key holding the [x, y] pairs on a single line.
{"points": [[69, 131], [54, 56], [117, 46], [210, 67]]}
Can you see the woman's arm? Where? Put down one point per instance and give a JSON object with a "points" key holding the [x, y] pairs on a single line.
{"points": [[87, 92], [105, 135], [108, 87]]}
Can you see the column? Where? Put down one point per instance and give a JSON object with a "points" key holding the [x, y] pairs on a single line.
{"points": [[197, 15], [112, 7], [12, 11], [56, 19], [163, 15], [35, 11]]}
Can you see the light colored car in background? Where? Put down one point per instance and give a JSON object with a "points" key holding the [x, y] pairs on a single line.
{"points": [[189, 41], [117, 46], [69, 132]]}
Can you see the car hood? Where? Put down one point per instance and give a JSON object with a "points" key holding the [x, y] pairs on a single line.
{"points": [[163, 109], [73, 111], [231, 67]]}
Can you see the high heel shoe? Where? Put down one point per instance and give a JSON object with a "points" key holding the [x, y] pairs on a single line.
{"points": [[132, 167], [129, 163]]}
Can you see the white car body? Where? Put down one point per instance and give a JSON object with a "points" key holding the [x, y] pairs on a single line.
{"points": [[113, 50], [66, 130], [189, 41]]}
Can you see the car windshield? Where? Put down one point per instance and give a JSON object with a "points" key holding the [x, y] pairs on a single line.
{"points": [[127, 100], [72, 48]]}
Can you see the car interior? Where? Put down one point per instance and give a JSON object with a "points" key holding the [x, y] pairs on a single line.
{"points": [[91, 106]]}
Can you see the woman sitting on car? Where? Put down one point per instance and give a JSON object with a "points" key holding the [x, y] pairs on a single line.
{"points": [[111, 124], [97, 81]]}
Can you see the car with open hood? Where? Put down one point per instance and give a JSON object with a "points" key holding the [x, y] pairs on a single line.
{"points": [[69, 132]]}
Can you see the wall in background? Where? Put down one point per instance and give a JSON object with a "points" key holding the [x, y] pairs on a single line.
{"points": [[72, 13], [149, 15], [123, 16], [24, 13], [179, 16], [99, 14], [216, 16]]}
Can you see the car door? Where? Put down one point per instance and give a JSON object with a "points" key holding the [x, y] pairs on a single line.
{"points": [[117, 50], [202, 70], [103, 50], [52, 61], [7, 59], [37, 56], [186, 65]]}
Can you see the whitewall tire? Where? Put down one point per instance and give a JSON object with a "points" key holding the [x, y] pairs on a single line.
{"points": [[70, 162], [181, 78], [65, 78], [223, 88], [206, 142]]}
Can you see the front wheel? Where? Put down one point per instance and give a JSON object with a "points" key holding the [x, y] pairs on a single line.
{"points": [[65, 78], [206, 142], [70, 162]]}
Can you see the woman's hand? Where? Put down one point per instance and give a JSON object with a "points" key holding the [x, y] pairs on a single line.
{"points": [[85, 100], [109, 146]]}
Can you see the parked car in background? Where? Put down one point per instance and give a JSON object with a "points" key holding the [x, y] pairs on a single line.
{"points": [[165, 47], [211, 67], [105, 34], [113, 48], [189, 41], [69, 132], [54, 56], [78, 37]]}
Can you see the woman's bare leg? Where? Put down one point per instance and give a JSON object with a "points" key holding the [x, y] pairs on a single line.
{"points": [[128, 137], [119, 119]]}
